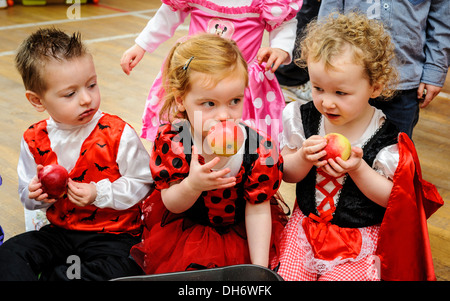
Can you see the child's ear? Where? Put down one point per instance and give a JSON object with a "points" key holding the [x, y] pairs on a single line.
{"points": [[35, 100], [377, 88], [179, 102]]}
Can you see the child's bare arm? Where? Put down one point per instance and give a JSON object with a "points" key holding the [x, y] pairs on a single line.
{"points": [[374, 186], [298, 162], [258, 224], [131, 57]]}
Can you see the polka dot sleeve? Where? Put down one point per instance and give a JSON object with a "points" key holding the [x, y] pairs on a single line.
{"points": [[266, 174], [182, 5], [168, 160], [275, 12]]}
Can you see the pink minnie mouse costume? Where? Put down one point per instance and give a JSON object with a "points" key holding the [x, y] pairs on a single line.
{"points": [[244, 21]]}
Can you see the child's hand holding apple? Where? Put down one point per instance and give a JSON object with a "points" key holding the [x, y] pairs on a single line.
{"points": [[340, 156], [50, 183]]}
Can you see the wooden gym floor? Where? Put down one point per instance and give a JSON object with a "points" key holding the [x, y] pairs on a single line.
{"points": [[109, 29]]}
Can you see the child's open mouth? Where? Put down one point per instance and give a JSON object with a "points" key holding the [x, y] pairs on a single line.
{"points": [[332, 116]]}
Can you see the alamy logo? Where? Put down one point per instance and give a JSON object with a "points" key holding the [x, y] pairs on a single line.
{"points": [[74, 11], [374, 10], [74, 270]]}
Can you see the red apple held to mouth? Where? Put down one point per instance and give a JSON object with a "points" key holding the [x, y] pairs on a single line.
{"points": [[337, 146], [54, 179], [225, 138]]}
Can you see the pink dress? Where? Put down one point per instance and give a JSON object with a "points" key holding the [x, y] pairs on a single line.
{"points": [[245, 24]]}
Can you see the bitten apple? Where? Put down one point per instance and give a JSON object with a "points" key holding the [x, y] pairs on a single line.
{"points": [[225, 138], [337, 146], [54, 179]]}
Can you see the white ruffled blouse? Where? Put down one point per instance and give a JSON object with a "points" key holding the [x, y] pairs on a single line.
{"points": [[293, 136], [66, 141]]}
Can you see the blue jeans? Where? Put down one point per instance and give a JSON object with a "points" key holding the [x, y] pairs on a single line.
{"points": [[402, 110]]}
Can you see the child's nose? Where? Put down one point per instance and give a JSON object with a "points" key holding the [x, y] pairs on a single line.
{"points": [[85, 98], [223, 114], [328, 102]]}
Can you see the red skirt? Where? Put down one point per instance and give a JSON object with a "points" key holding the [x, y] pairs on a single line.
{"points": [[180, 245]]}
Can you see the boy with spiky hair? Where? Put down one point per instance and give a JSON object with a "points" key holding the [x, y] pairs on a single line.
{"points": [[98, 219]]}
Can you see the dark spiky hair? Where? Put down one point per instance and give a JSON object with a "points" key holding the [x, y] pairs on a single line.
{"points": [[41, 47]]}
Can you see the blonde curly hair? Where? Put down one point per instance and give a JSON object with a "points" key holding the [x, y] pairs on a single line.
{"points": [[325, 39]]}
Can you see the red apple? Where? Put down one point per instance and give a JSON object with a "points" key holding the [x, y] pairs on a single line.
{"points": [[225, 138], [337, 146], [54, 179]]}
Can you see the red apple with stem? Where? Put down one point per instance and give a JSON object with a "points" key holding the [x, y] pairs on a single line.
{"points": [[337, 146], [54, 179], [225, 138]]}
